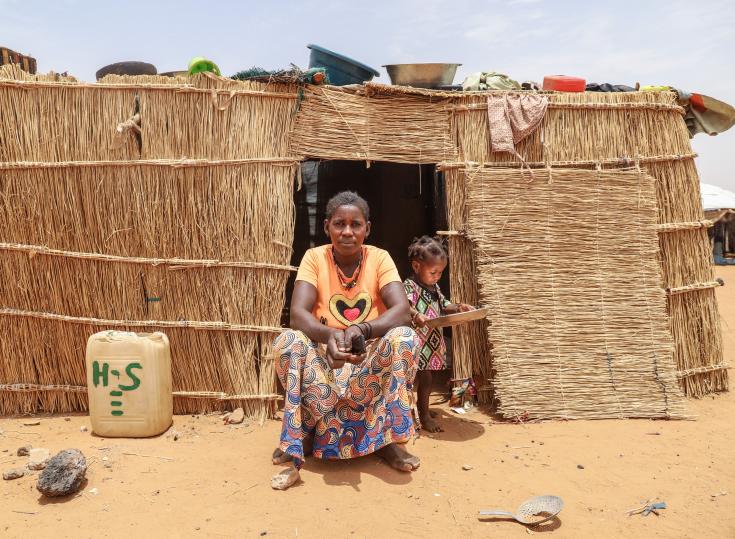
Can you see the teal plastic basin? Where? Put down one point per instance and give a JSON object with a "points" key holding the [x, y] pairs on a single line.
{"points": [[341, 69]]}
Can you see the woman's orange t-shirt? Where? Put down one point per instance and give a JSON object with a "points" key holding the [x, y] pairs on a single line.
{"points": [[337, 307]]}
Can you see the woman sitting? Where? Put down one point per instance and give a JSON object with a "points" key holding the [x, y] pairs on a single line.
{"points": [[344, 400]]}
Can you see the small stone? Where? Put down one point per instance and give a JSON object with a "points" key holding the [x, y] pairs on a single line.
{"points": [[541, 443], [24, 451], [236, 417], [580, 466], [67, 419], [15, 473], [263, 533], [93, 491], [173, 434], [37, 458], [467, 467], [83, 428], [32, 423], [64, 473]]}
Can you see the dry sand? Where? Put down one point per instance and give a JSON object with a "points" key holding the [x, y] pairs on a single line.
{"points": [[214, 480]]}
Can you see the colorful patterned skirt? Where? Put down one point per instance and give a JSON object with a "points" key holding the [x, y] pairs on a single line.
{"points": [[351, 411]]}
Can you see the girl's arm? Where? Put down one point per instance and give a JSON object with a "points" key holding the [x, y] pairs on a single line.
{"points": [[454, 308], [412, 296], [448, 307]]}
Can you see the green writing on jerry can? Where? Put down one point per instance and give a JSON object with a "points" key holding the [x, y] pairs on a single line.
{"points": [[129, 383], [100, 375]]}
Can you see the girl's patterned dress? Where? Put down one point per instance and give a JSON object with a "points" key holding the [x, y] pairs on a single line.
{"points": [[432, 351]]}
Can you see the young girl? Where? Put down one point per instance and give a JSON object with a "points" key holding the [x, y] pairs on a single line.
{"points": [[428, 260]]}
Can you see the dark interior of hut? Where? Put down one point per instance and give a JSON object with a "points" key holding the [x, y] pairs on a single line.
{"points": [[406, 201]]}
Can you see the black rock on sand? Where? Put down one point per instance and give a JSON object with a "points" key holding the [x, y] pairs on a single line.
{"points": [[64, 473]]}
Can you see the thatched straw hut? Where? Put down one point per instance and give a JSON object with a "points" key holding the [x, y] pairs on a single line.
{"points": [[169, 204]]}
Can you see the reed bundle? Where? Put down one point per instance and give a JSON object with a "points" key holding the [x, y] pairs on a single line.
{"points": [[143, 79], [336, 123], [567, 262], [186, 228], [14, 72], [471, 350]]}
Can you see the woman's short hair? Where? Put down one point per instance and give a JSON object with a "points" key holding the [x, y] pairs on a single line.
{"points": [[348, 198], [426, 247]]}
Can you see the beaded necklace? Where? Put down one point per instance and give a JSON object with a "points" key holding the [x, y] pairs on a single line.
{"points": [[348, 283]]}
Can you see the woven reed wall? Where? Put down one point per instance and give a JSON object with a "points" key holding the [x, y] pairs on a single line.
{"points": [[350, 123], [185, 226], [579, 323], [610, 130], [615, 130]]}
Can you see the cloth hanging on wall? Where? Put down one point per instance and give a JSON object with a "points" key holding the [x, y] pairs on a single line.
{"points": [[512, 117]]}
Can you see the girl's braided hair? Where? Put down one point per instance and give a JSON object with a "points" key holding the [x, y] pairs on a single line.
{"points": [[426, 247]]}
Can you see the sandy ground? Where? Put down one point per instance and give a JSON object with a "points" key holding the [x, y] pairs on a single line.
{"points": [[214, 480]]}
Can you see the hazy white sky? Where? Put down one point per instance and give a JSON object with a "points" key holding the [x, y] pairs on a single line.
{"points": [[687, 44]]}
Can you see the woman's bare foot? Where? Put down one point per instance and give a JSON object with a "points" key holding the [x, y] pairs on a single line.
{"points": [[427, 420], [279, 457], [399, 458], [428, 423], [285, 479]]}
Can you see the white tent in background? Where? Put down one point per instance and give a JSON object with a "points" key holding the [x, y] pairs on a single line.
{"points": [[719, 206], [716, 198]]}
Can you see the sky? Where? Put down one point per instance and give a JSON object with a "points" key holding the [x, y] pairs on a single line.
{"points": [[689, 45]]}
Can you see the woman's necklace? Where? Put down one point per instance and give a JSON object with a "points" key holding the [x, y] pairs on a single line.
{"points": [[348, 283]]}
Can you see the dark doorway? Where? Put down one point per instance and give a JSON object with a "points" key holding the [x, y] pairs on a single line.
{"points": [[405, 201]]}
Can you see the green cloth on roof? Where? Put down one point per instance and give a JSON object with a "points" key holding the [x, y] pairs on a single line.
{"points": [[489, 80]]}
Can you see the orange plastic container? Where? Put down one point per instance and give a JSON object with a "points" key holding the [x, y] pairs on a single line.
{"points": [[564, 83]]}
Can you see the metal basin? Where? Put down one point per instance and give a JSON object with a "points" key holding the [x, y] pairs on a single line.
{"points": [[422, 75]]}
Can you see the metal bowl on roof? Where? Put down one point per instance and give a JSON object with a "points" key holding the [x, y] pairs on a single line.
{"points": [[422, 75]]}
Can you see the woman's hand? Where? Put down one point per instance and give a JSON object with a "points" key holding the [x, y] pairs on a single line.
{"points": [[338, 350], [352, 336], [420, 320]]}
